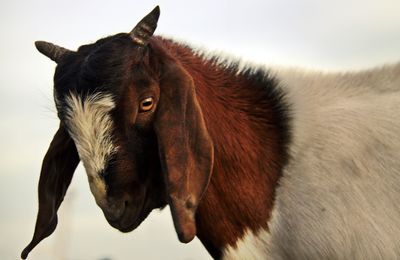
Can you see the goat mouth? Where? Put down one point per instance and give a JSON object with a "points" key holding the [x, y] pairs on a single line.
{"points": [[125, 227], [143, 213], [129, 220], [124, 224], [130, 227]]}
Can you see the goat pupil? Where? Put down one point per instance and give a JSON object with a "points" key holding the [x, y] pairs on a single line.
{"points": [[146, 104]]}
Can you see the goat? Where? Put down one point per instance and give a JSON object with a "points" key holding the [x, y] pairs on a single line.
{"points": [[256, 164]]}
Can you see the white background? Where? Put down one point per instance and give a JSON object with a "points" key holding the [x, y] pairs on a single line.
{"points": [[328, 35]]}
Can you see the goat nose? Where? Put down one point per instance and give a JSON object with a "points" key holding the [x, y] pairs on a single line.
{"points": [[114, 211]]}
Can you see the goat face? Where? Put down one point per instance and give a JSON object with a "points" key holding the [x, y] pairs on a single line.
{"points": [[108, 111], [129, 110]]}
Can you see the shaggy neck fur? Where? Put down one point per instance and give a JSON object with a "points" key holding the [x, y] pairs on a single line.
{"points": [[250, 135]]}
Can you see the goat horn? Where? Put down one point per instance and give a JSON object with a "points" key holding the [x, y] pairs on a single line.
{"points": [[50, 50], [146, 27]]}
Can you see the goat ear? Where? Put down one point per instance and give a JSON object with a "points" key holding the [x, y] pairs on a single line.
{"points": [[58, 167], [185, 147]]}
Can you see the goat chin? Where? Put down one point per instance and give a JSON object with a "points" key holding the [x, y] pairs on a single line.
{"points": [[258, 164]]}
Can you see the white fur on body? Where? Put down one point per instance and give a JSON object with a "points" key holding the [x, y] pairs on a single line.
{"points": [[339, 197]]}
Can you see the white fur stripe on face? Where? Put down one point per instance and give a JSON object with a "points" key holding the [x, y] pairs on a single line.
{"points": [[90, 126]]}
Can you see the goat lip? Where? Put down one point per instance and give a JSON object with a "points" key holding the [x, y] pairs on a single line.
{"points": [[143, 213], [128, 221], [124, 228], [130, 227]]}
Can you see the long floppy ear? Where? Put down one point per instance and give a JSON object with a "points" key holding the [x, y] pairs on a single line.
{"points": [[58, 167], [185, 147]]}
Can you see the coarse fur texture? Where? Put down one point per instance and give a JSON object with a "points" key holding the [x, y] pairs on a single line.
{"points": [[248, 119], [250, 246], [339, 194], [258, 164], [90, 126]]}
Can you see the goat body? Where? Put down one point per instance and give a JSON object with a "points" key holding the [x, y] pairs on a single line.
{"points": [[306, 163], [278, 164]]}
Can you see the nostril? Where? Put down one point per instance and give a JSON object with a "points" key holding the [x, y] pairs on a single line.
{"points": [[123, 206]]}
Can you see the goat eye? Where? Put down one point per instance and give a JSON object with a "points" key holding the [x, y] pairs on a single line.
{"points": [[146, 104]]}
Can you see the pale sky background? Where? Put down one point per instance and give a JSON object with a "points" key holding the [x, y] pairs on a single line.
{"points": [[328, 35]]}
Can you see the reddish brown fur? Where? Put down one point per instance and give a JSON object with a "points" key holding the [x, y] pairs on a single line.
{"points": [[249, 151], [209, 117]]}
